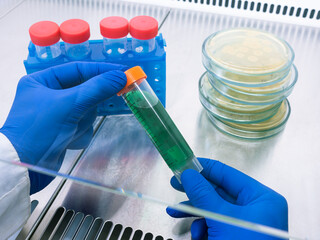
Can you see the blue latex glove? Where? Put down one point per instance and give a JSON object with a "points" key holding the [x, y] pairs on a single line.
{"points": [[225, 190], [54, 109]]}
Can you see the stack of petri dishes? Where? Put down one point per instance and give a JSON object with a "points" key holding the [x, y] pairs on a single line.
{"points": [[250, 73]]}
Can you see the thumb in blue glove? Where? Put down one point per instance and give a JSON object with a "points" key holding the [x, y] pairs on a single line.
{"points": [[224, 190], [54, 110]]}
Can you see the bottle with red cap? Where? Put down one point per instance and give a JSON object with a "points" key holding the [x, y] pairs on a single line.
{"points": [[76, 33], [143, 30], [45, 35], [114, 31]]}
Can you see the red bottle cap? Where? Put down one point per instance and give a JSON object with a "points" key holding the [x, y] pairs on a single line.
{"points": [[114, 27], [143, 27], [74, 31], [44, 33]]}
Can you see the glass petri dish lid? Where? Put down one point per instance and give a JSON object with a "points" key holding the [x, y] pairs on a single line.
{"points": [[264, 95], [256, 131], [247, 57], [229, 110]]}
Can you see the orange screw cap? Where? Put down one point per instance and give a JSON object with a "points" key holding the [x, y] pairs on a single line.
{"points": [[135, 74]]}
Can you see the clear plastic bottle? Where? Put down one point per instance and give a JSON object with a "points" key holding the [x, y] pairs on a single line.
{"points": [[114, 31], [143, 30], [76, 33], [45, 35], [153, 117]]}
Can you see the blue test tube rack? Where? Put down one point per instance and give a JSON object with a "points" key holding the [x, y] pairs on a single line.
{"points": [[153, 64]]}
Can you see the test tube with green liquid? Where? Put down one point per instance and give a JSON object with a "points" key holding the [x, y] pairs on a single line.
{"points": [[157, 123]]}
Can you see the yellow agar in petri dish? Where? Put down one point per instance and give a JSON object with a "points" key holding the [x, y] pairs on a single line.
{"points": [[276, 87], [257, 95], [214, 97], [255, 131], [229, 110], [249, 75], [247, 57], [248, 50], [271, 123]]}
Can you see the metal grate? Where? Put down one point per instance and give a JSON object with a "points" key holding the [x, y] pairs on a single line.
{"points": [[258, 6], [68, 224], [34, 204]]}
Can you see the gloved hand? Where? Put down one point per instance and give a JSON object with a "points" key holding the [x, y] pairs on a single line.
{"points": [[225, 190], [54, 109]]}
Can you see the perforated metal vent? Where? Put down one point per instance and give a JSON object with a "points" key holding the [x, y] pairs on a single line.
{"points": [[259, 6], [305, 12], [68, 224], [34, 204]]}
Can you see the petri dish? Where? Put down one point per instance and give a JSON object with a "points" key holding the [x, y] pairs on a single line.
{"points": [[255, 131], [247, 57], [229, 110], [263, 95]]}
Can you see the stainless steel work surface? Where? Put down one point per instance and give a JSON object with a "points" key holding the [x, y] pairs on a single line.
{"points": [[122, 155], [288, 162]]}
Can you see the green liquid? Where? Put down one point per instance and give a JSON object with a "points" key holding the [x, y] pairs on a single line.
{"points": [[160, 128]]}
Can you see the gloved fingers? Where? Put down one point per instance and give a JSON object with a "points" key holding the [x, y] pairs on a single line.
{"points": [[84, 132], [177, 213], [86, 122], [82, 141], [72, 74], [176, 185], [199, 229], [201, 193], [229, 179], [225, 195], [39, 181], [98, 89]]}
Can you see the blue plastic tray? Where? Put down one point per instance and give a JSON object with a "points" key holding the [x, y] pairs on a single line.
{"points": [[153, 63]]}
